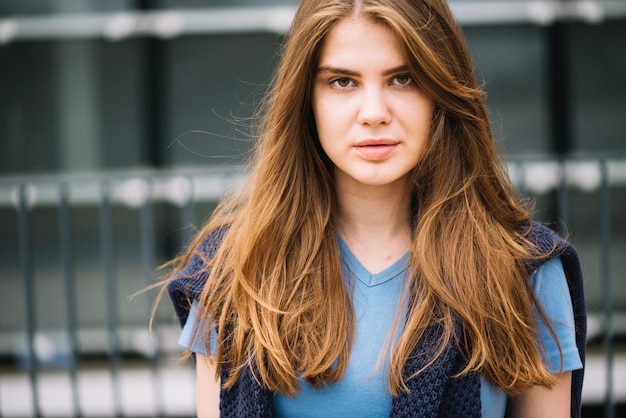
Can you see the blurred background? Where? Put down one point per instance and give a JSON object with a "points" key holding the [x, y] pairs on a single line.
{"points": [[123, 122]]}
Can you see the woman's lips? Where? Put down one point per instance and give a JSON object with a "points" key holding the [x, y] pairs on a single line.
{"points": [[376, 149]]}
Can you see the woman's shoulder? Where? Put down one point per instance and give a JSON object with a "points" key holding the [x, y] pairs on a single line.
{"points": [[203, 253], [550, 246], [547, 245], [187, 284]]}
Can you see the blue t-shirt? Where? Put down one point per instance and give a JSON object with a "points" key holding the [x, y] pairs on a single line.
{"points": [[363, 391]]}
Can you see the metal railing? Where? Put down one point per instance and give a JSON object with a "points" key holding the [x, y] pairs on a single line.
{"points": [[111, 366]]}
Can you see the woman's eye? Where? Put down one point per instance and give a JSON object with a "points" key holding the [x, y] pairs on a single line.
{"points": [[342, 82], [403, 79]]}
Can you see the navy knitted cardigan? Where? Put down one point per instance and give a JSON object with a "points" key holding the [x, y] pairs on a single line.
{"points": [[433, 393]]}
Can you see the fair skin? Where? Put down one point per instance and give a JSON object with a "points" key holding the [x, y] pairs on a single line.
{"points": [[373, 122], [207, 389], [543, 403]]}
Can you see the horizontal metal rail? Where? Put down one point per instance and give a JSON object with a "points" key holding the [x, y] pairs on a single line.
{"points": [[170, 23], [535, 175]]}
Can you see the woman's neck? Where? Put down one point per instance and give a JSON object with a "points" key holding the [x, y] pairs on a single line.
{"points": [[375, 223]]}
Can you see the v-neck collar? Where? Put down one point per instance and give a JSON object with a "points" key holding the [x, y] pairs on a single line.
{"points": [[362, 274]]}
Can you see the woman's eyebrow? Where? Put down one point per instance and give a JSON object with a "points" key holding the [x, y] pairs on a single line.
{"points": [[335, 70], [399, 69], [339, 70]]}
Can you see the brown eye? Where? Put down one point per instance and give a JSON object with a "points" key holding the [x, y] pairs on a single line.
{"points": [[342, 82], [403, 79]]}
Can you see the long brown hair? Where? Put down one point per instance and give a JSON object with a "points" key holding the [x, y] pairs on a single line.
{"points": [[275, 291]]}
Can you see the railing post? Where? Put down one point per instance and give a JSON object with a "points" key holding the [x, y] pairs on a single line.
{"points": [[108, 260], [563, 198], [605, 272], [188, 214], [67, 260], [26, 264], [147, 242]]}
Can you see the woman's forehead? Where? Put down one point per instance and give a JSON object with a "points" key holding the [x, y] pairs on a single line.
{"points": [[361, 40]]}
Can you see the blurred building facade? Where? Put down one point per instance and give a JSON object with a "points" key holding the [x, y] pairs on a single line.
{"points": [[161, 92]]}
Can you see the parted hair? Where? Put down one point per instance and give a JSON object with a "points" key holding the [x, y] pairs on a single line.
{"points": [[275, 292]]}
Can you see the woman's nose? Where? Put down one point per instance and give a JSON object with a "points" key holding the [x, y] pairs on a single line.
{"points": [[374, 107]]}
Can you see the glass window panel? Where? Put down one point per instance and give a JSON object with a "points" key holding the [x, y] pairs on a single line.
{"points": [[599, 86], [510, 60], [215, 83]]}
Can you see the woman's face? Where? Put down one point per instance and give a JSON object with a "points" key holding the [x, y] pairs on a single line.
{"points": [[372, 119]]}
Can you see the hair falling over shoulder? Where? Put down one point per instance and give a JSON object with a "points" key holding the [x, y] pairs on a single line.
{"points": [[275, 291]]}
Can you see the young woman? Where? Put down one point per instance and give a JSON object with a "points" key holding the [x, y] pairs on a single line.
{"points": [[378, 261]]}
